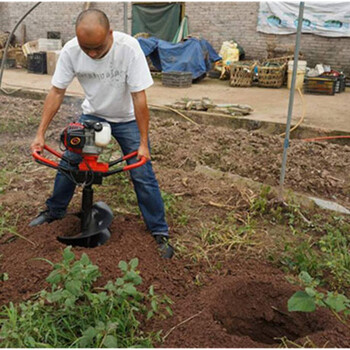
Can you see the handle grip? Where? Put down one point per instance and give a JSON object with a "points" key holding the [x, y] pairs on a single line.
{"points": [[42, 160], [141, 162], [50, 163]]}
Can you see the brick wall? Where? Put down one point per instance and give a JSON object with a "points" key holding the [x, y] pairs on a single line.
{"points": [[53, 16], [221, 21], [214, 21]]}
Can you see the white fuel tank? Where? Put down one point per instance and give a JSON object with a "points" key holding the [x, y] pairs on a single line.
{"points": [[103, 137]]}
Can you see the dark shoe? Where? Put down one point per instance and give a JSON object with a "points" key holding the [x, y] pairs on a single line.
{"points": [[167, 251], [43, 217]]}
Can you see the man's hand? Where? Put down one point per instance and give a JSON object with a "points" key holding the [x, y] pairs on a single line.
{"points": [[38, 144], [143, 151]]}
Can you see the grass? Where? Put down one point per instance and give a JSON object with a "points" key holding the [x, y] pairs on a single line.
{"points": [[18, 125], [305, 239], [3, 180], [323, 252], [216, 238], [7, 223], [314, 242], [286, 343], [120, 192]]}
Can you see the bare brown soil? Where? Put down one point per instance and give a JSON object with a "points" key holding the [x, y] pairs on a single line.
{"points": [[243, 305]]}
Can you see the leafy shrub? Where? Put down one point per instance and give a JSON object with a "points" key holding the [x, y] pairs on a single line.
{"points": [[74, 314]]}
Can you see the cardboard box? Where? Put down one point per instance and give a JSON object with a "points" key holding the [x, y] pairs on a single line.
{"points": [[51, 59], [30, 47]]}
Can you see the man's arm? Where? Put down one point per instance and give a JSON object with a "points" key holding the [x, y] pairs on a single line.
{"points": [[52, 104], [142, 119]]}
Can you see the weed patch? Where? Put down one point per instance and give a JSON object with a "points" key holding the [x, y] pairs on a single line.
{"points": [[7, 223], [218, 237], [75, 314], [325, 257]]}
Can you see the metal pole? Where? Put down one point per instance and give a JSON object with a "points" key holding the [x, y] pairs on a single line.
{"points": [[125, 17], [291, 95]]}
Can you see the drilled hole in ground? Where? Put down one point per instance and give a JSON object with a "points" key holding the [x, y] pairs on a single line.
{"points": [[259, 310]]}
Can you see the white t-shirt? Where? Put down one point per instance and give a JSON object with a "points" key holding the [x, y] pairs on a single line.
{"points": [[109, 81]]}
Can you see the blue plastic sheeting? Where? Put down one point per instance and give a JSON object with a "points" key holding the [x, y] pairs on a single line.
{"points": [[192, 55]]}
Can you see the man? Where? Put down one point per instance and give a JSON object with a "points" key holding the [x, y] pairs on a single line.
{"points": [[114, 74]]}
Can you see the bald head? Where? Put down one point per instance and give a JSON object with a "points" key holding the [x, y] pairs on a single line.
{"points": [[92, 16], [93, 32]]}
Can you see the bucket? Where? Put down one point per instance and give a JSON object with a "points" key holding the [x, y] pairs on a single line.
{"points": [[299, 79], [300, 74], [301, 65]]}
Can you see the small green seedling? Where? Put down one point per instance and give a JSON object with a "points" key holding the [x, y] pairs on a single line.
{"points": [[309, 299]]}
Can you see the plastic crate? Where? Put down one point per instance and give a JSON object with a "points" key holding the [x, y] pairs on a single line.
{"points": [[339, 81], [177, 79], [340, 84], [49, 44], [36, 63], [9, 63], [319, 86]]}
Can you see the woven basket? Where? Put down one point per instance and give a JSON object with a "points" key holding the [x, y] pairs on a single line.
{"points": [[242, 73], [281, 60], [177, 79], [271, 76]]}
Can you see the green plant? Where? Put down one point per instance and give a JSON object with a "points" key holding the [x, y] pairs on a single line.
{"points": [[309, 299], [5, 176], [301, 257], [121, 194], [173, 209], [323, 253], [6, 227], [335, 247], [170, 203], [75, 314], [4, 277], [259, 204]]}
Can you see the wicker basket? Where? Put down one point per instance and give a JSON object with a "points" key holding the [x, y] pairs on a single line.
{"points": [[281, 60], [177, 79], [272, 76], [242, 73]]}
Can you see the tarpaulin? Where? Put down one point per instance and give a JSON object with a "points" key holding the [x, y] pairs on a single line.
{"points": [[159, 20], [331, 19], [192, 55]]}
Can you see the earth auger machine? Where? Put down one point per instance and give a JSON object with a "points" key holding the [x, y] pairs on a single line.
{"points": [[88, 140]]}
